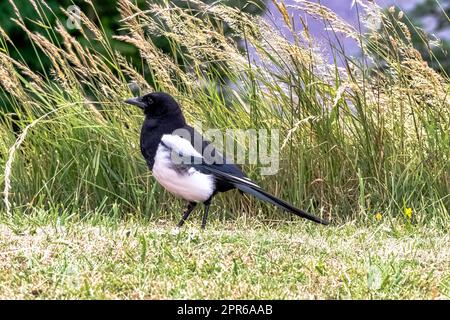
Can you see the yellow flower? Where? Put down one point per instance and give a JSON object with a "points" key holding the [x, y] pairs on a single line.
{"points": [[378, 216], [408, 212]]}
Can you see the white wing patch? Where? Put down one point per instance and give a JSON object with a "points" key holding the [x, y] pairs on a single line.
{"points": [[180, 145], [190, 184]]}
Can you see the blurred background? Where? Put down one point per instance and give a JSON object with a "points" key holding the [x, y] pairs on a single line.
{"points": [[430, 16]]}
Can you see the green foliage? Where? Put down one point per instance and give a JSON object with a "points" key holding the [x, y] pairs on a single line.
{"points": [[103, 14], [433, 49], [106, 14], [437, 56]]}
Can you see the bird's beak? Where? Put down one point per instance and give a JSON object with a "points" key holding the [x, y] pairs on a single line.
{"points": [[136, 102]]}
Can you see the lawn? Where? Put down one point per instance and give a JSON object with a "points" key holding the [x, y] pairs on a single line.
{"points": [[46, 257]]}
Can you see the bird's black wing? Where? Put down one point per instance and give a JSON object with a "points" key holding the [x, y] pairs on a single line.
{"points": [[209, 155]]}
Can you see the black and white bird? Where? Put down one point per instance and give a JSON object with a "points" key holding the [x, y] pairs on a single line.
{"points": [[182, 167]]}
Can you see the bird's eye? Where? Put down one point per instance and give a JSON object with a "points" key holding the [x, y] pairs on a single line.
{"points": [[149, 101]]}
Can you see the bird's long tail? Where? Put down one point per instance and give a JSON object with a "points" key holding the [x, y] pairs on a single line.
{"points": [[265, 196], [247, 186]]}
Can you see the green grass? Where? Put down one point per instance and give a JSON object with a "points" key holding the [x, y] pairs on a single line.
{"points": [[49, 256]]}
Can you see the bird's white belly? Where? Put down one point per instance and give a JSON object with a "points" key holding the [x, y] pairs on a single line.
{"points": [[191, 185]]}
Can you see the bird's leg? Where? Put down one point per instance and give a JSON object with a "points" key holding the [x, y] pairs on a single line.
{"points": [[187, 212], [205, 214]]}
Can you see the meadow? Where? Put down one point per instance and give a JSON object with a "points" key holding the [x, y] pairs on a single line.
{"points": [[364, 142]]}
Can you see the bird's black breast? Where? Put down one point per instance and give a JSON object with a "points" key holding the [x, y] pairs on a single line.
{"points": [[152, 131], [150, 138]]}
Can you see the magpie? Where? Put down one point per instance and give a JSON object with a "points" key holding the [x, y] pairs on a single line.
{"points": [[183, 167]]}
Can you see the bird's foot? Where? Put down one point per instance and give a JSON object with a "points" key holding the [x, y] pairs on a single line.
{"points": [[181, 223]]}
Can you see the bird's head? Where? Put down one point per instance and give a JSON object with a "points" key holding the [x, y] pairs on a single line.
{"points": [[156, 104]]}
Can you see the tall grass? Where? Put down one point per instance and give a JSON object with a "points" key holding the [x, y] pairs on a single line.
{"points": [[359, 136]]}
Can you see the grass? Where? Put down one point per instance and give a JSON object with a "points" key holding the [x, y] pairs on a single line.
{"points": [[52, 256], [363, 138]]}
